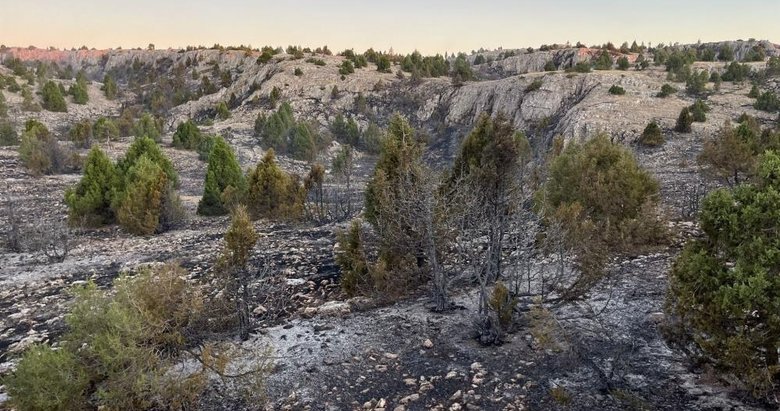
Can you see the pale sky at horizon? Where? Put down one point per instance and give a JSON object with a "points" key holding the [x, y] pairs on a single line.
{"points": [[429, 26]]}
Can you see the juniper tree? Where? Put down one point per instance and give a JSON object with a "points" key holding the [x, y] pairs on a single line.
{"points": [[89, 202], [52, 98], [723, 294], [223, 171]]}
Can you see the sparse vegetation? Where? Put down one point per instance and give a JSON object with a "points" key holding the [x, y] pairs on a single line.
{"points": [[617, 90], [652, 135], [52, 98], [667, 90], [225, 184], [684, 121]]}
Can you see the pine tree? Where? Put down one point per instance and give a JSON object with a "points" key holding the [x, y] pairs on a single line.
{"points": [[52, 98], [89, 202], [223, 171]]}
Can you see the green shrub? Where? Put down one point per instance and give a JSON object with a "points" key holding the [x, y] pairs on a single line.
{"points": [[623, 63], [52, 98], [611, 195], [105, 129], [550, 66], [346, 68], [603, 61], [187, 135], [3, 106], [141, 203], [223, 171], [40, 152], [81, 134], [298, 72], [617, 90], [696, 83], [8, 135], [49, 379], [28, 101], [723, 293], [223, 113], [582, 67], [109, 87], [272, 193], [79, 91], [120, 351], [754, 92], [699, 111], [315, 61], [89, 203], [736, 72], [767, 101], [204, 147], [351, 258], [148, 126], [667, 90], [145, 146], [383, 64], [684, 121], [652, 135], [534, 85]]}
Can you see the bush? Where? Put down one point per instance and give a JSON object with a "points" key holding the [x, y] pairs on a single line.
{"points": [[623, 63], [617, 90], [79, 91], [767, 101], [652, 135], [733, 151], [148, 126], [52, 98], [223, 172], [223, 113], [684, 121], [699, 111], [8, 135], [534, 85], [109, 87], [351, 257], [145, 146], [613, 194], [272, 193], [3, 106], [696, 83], [89, 203], [41, 153], [346, 68], [187, 135], [723, 294], [550, 66], [28, 101], [281, 132], [105, 129], [383, 64], [298, 72], [48, 379], [582, 67], [736, 72], [120, 350], [754, 92], [141, 203], [603, 62], [667, 90], [81, 134]]}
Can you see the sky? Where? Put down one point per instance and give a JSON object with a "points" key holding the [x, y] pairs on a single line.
{"points": [[430, 26]]}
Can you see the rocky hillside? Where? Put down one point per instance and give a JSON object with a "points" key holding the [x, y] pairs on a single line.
{"points": [[334, 353]]}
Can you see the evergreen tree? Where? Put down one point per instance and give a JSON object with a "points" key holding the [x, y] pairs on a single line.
{"points": [[79, 90], [52, 98], [148, 126], [81, 134], [652, 136], [684, 121], [105, 129], [623, 63], [109, 87], [187, 135], [272, 193], [223, 171], [725, 288], [89, 202], [142, 201], [145, 146]]}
